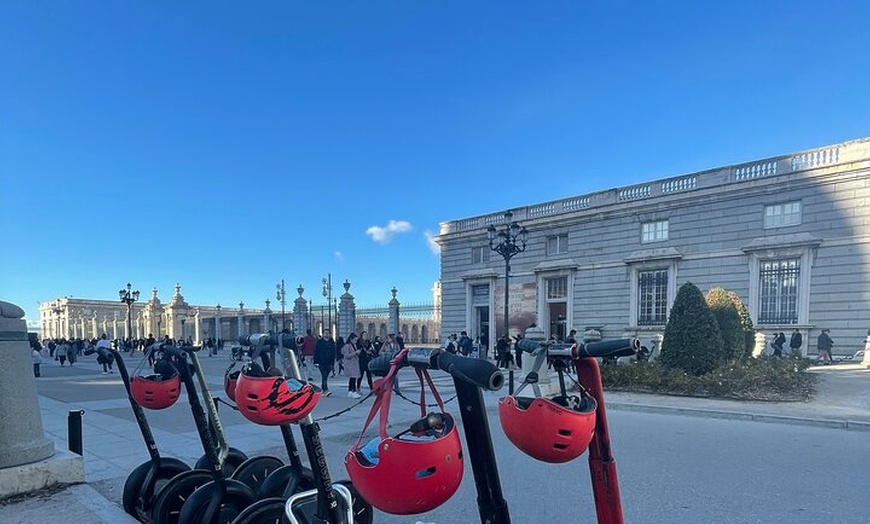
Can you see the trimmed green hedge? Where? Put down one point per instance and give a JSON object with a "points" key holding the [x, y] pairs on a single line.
{"points": [[779, 379], [692, 342]]}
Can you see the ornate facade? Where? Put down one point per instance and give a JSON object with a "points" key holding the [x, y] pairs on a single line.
{"points": [[789, 234], [86, 318]]}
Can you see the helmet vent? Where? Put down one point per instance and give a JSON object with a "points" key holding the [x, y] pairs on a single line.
{"points": [[565, 432], [423, 473]]}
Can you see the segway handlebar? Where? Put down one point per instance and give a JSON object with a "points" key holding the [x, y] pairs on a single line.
{"points": [[621, 347], [481, 373], [269, 339]]}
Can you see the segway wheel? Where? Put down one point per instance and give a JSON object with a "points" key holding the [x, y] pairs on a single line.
{"points": [[236, 498], [284, 482], [265, 511], [362, 510], [170, 500], [255, 470], [138, 498], [234, 459]]}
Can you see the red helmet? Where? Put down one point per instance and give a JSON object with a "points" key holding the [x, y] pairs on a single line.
{"points": [[273, 401], [230, 380], [551, 430], [409, 476], [155, 391]]}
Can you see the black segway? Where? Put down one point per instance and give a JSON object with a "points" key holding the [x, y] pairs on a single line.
{"points": [[213, 497], [268, 476], [146, 480], [325, 502]]}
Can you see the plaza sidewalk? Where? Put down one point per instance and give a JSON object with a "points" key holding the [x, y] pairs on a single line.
{"points": [[113, 445]]}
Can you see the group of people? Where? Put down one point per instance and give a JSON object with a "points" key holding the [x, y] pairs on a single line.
{"points": [[350, 355], [824, 345], [465, 346]]}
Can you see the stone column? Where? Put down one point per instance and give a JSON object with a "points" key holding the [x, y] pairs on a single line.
{"points": [[105, 325], [138, 324], [537, 334], [21, 436], [82, 325], [300, 312], [115, 326], [760, 344], [241, 320], [197, 327], [94, 329], [217, 323], [393, 322], [346, 312], [866, 361], [267, 318]]}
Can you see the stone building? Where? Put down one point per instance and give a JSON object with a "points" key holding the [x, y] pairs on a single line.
{"points": [[88, 318], [789, 234]]}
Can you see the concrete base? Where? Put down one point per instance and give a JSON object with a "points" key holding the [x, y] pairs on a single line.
{"points": [[61, 468]]}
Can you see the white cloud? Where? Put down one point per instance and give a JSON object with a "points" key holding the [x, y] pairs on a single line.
{"points": [[430, 241], [339, 255], [383, 235]]}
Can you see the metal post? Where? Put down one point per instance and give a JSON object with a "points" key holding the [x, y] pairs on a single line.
{"points": [[74, 430]]}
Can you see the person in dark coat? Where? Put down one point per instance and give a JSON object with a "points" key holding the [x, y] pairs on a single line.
{"points": [[795, 343], [324, 357]]}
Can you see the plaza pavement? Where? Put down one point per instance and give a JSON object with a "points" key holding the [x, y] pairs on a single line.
{"points": [[113, 445]]}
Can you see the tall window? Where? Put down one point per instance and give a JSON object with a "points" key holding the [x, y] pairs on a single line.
{"points": [[557, 306], [654, 231], [480, 255], [652, 297], [782, 215], [778, 288], [557, 244]]}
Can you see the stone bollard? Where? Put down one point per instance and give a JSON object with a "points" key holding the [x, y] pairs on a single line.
{"points": [[536, 334], [866, 361], [21, 436], [760, 345], [28, 461]]}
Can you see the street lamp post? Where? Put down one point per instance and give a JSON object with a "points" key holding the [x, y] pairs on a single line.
{"points": [[128, 296], [327, 294], [508, 241], [282, 296]]}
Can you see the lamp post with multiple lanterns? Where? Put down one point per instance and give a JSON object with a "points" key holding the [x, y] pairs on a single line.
{"points": [[327, 294], [128, 296], [507, 241]]}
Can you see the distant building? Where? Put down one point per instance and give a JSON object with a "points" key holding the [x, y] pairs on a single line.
{"points": [[789, 234], [88, 318]]}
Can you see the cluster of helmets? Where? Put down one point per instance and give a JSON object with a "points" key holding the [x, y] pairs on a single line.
{"points": [[267, 398], [159, 390], [553, 430], [410, 473]]}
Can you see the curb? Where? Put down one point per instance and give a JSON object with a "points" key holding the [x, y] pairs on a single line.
{"points": [[849, 425]]}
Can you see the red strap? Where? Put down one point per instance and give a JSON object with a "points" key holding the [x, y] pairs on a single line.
{"points": [[383, 392]]}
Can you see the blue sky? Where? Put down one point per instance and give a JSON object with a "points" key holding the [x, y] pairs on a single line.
{"points": [[228, 145]]}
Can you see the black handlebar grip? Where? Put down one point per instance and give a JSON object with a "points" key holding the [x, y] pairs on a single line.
{"points": [[622, 347], [527, 345], [380, 365], [482, 373]]}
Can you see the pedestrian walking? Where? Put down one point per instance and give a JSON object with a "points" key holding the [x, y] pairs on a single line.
{"points": [[350, 362], [104, 355], [324, 357], [824, 345], [36, 358], [795, 343]]}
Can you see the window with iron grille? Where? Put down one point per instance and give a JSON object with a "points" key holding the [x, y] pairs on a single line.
{"points": [[557, 244], [782, 215], [654, 231], [779, 291], [480, 255], [652, 297], [557, 288]]}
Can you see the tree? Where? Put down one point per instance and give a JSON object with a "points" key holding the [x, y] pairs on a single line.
{"points": [[728, 318], [745, 323], [692, 341]]}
